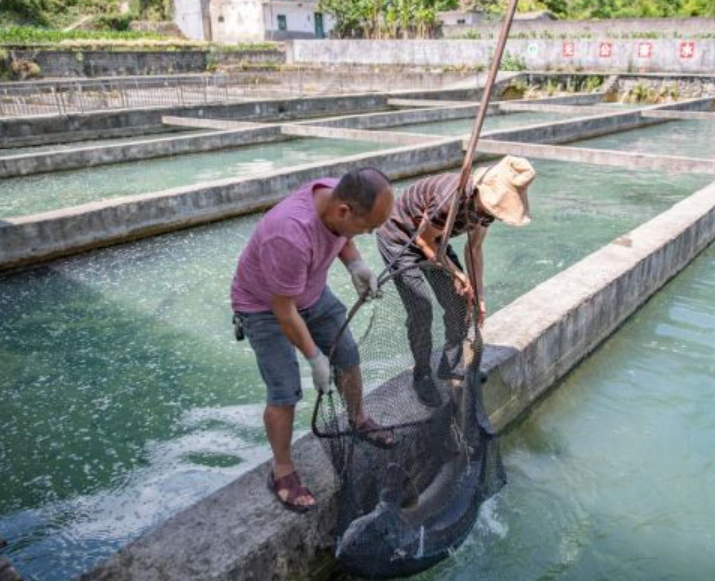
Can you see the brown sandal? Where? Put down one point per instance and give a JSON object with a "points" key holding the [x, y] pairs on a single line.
{"points": [[291, 484], [373, 433]]}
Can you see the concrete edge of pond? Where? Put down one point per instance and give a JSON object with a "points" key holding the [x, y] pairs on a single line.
{"points": [[240, 532], [606, 157], [48, 129], [90, 156], [39, 237], [222, 136]]}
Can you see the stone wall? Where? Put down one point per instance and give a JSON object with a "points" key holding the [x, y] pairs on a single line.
{"points": [[641, 55], [692, 87], [100, 63]]}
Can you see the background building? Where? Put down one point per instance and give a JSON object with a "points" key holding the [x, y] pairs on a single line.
{"points": [[251, 20]]}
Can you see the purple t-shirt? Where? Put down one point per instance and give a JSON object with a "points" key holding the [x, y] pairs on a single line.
{"points": [[288, 254]]}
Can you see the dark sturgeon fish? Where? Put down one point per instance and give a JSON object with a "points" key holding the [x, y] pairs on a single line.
{"points": [[395, 540]]}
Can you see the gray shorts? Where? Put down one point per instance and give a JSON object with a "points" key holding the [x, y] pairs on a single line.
{"points": [[276, 356]]}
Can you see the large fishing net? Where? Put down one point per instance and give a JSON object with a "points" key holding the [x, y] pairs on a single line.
{"points": [[412, 477]]}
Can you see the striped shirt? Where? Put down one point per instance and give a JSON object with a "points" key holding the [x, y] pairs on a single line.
{"points": [[429, 195]]}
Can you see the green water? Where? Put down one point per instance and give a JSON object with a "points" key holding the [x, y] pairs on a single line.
{"points": [[125, 398], [10, 151], [682, 138], [491, 123], [612, 476], [43, 192]]}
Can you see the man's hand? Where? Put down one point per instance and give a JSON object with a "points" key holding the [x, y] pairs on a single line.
{"points": [[364, 281], [481, 313], [320, 366], [463, 287]]}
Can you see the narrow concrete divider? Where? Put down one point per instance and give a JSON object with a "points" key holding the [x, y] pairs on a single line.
{"points": [[426, 103], [39, 237], [397, 118], [607, 157], [549, 108], [221, 124], [683, 115], [358, 134], [240, 533], [81, 157]]}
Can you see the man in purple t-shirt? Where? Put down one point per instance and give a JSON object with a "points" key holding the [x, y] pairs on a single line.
{"points": [[281, 300]]}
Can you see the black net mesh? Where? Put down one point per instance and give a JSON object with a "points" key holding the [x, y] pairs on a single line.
{"points": [[413, 453]]}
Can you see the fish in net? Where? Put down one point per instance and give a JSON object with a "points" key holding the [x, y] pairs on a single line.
{"points": [[411, 484]]}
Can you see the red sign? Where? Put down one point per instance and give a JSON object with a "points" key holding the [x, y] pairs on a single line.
{"points": [[605, 50], [645, 50], [687, 50], [568, 49]]}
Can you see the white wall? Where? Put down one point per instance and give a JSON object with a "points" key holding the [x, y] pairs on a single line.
{"points": [[237, 20], [668, 55], [187, 16]]}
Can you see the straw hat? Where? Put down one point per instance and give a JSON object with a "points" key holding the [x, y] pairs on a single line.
{"points": [[502, 189]]}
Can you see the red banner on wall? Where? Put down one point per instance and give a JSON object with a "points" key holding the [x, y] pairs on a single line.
{"points": [[644, 50], [687, 50], [605, 50]]}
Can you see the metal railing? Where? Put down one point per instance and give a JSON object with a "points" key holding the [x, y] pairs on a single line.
{"points": [[85, 95], [81, 96]]}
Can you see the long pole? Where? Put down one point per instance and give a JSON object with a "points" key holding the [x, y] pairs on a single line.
{"points": [[478, 124]]}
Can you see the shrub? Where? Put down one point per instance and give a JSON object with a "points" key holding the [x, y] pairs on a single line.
{"points": [[24, 69], [115, 21], [512, 62]]}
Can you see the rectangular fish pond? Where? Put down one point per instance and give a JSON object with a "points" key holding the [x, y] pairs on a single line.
{"points": [[612, 475], [691, 138], [126, 398], [21, 196]]}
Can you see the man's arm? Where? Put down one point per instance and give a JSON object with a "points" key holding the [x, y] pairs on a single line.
{"points": [[349, 253], [427, 242], [364, 280], [296, 331], [474, 259], [293, 325]]}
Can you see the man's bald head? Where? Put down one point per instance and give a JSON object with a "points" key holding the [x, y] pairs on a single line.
{"points": [[361, 202], [360, 188]]}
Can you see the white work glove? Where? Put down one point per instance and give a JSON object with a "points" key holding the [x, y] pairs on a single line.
{"points": [[363, 279], [320, 366]]}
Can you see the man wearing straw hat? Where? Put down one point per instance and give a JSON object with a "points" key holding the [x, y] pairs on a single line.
{"points": [[413, 233]]}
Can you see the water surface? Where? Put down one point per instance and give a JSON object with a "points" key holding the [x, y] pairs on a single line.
{"points": [[125, 397], [682, 138], [612, 476]]}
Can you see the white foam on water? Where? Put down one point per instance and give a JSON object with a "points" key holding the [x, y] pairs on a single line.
{"points": [[489, 521], [243, 416]]}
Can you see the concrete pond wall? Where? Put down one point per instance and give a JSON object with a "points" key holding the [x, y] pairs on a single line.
{"points": [[44, 129], [616, 55], [39, 237]]}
